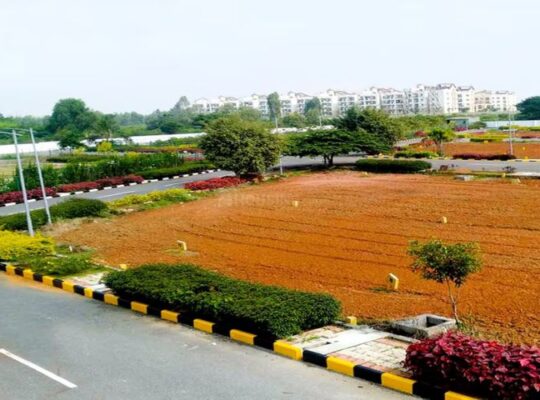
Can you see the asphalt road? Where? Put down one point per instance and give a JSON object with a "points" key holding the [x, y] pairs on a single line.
{"points": [[110, 353], [288, 162]]}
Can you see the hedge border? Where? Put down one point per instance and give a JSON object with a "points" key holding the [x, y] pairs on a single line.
{"points": [[165, 178], [281, 347]]}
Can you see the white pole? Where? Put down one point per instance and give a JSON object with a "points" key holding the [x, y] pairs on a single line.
{"points": [[41, 181], [281, 165], [510, 133], [23, 185]]}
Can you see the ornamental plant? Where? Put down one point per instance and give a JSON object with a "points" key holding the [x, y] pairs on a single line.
{"points": [[487, 368], [450, 264], [216, 183], [14, 246]]}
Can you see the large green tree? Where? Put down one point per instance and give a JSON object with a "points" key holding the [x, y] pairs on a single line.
{"points": [[245, 147], [294, 120], [375, 122], [529, 108], [72, 114], [274, 105], [330, 143], [106, 126]]}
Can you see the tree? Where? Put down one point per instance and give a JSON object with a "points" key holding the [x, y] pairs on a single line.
{"points": [[294, 120], [71, 114], [313, 104], [69, 138], [245, 147], [181, 105], [529, 108], [106, 126], [274, 106], [440, 136], [375, 122], [446, 263], [330, 143]]}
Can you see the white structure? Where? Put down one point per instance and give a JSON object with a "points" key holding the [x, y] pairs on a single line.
{"points": [[444, 98]]}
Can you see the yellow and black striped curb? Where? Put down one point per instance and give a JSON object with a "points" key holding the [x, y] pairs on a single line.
{"points": [[165, 178], [282, 347]]}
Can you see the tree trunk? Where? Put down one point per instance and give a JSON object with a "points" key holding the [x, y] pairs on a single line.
{"points": [[453, 302], [330, 161]]}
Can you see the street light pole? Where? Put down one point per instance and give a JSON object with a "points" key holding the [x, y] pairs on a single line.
{"points": [[510, 131], [23, 185], [41, 181]]}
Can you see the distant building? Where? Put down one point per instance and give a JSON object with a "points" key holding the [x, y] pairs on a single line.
{"points": [[444, 98]]}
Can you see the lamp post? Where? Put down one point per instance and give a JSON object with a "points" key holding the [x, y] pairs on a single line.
{"points": [[41, 181], [23, 185]]}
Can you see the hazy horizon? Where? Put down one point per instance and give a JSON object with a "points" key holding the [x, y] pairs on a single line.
{"points": [[140, 56]]}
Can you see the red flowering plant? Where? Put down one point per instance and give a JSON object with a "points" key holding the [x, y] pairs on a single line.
{"points": [[486, 368], [216, 183]]}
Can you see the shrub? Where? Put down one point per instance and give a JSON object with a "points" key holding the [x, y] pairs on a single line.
{"points": [[187, 168], [60, 265], [415, 154], [257, 308], [164, 196], [488, 368], [77, 187], [17, 197], [392, 166], [100, 183], [215, 183], [479, 156], [71, 208], [490, 139], [19, 245]]}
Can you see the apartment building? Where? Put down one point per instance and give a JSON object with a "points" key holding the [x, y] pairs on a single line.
{"points": [[444, 98]]}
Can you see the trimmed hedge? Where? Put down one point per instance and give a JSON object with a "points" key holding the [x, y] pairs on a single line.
{"points": [[188, 168], [72, 208], [479, 156], [392, 166], [216, 183], [486, 368], [415, 154], [261, 309]]}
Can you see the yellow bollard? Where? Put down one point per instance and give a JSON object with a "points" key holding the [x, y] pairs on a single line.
{"points": [[182, 244], [123, 267], [351, 320], [394, 281], [444, 220], [295, 203]]}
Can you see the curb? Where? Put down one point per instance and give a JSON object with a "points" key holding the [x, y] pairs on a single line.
{"points": [[165, 178], [281, 347], [449, 159]]}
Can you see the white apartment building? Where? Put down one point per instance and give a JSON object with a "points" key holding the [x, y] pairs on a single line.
{"points": [[445, 98]]}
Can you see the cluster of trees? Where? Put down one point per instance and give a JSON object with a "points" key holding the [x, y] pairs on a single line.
{"points": [[247, 146], [529, 109]]}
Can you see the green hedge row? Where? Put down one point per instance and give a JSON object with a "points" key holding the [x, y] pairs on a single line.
{"points": [[415, 154], [72, 208], [393, 166], [256, 308], [188, 168]]}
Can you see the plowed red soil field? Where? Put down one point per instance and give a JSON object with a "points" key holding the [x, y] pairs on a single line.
{"points": [[521, 150], [346, 235]]}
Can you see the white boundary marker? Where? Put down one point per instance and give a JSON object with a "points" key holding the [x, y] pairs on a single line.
{"points": [[37, 368]]}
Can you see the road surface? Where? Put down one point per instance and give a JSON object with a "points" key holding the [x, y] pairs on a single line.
{"points": [[288, 162], [91, 351]]}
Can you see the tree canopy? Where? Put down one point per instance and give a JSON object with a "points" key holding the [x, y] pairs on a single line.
{"points": [[375, 122], [274, 105], [72, 114], [245, 147], [330, 143], [529, 108], [440, 136]]}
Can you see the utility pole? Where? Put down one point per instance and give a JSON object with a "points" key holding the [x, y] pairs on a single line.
{"points": [[510, 132], [41, 181], [23, 185]]}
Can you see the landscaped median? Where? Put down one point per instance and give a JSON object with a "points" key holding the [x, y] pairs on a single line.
{"points": [[213, 303]]}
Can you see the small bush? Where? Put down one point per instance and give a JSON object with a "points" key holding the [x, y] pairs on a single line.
{"points": [[479, 156], [161, 197], [100, 183], [78, 187], [256, 308], [487, 368], [217, 183], [392, 166], [187, 168], [14, 246], [60, 265], [72, 208], [415, 154], [490, 139], [17, 197]]}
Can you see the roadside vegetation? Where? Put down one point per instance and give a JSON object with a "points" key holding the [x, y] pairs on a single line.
{"points": [[260, 309]]}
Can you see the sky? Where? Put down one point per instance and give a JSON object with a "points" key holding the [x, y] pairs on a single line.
{"points": [[142, 55]]}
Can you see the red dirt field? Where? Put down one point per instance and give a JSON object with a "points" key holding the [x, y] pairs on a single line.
{"points": [[346, 235], [521, 150]]}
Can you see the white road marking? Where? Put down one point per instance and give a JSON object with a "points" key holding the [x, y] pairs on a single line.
{"points": [[172, 184], [37, 368], [115, 194]]}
